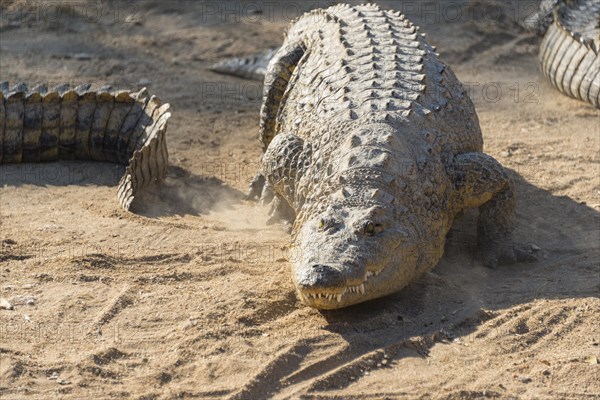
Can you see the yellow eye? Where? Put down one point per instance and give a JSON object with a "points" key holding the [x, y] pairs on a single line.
{"points": [[370, 228], [321, 223]]}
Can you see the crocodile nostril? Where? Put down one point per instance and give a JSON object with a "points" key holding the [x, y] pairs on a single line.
{"points": [[321, 276]]}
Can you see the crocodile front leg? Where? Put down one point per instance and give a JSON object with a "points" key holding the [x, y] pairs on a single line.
{"points": [[482, 182], [283, 165], [276, 83]]}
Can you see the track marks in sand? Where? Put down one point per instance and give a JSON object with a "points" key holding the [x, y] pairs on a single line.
{"points": [[115, 305], [342, 376], [535, 326], [323, 363], [103, 363], [294, 369], [268, 380], [97, 260]]}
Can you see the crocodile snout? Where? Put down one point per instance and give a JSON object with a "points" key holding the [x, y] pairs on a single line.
{"points": [[321, 277]]}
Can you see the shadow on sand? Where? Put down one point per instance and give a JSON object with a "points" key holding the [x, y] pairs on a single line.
{"points": [[460, 294], [181, 193]]}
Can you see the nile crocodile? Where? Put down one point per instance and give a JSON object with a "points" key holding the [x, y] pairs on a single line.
{"points": [[82, 124], [371, 147], [569, 51]]}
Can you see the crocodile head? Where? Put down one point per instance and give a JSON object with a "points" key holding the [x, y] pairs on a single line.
{"points": [[347, 255]]}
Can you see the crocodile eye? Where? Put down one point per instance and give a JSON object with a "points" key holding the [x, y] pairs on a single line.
{"points": [[369, 228], [321, 223]]}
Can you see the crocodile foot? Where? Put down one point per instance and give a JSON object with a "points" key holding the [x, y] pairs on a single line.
{"points": [[256, 188], [280, 211], [504, 251]]}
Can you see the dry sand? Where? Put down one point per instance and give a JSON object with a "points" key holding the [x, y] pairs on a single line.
{"points": [[190, 297]]}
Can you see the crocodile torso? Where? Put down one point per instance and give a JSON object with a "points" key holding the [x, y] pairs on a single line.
{"points": [[371, 147], [66, 123], [569, 55]]}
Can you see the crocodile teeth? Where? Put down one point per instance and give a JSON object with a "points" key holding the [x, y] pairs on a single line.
{"points": [[328, 296], [355, 289], [371, 273]]}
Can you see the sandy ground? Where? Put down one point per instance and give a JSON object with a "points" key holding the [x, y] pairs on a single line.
{"points": [[190, 297]]}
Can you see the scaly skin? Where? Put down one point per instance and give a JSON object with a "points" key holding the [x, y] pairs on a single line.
{"points": [[569, 55], [371, 148], [67, 124]]}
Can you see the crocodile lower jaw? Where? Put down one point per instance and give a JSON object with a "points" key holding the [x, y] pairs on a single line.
{"points": [[337, 297]]}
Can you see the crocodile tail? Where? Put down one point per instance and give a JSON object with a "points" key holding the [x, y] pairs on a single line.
{"points": [[67, 123], [569, 51], [253, 68]]}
